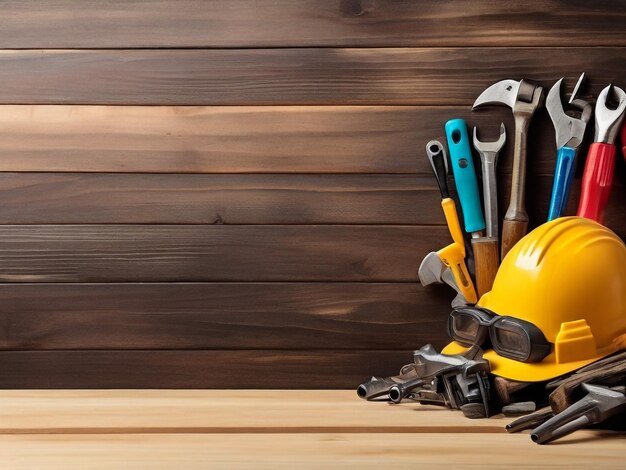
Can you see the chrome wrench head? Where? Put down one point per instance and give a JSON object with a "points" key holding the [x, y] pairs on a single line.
{"points": [[608, 120], [569, 130], [431, 269], [489, 152]]}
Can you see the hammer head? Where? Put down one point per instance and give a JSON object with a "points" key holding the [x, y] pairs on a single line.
{"points": [[507, 93], [502, 93]]}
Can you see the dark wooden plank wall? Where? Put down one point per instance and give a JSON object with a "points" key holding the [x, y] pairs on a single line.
{"points": [[235, 193]]}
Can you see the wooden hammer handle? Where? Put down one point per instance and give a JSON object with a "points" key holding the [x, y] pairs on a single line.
{"points": [[512, 232], [487, 260]]}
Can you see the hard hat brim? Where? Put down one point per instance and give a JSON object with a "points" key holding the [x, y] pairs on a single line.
{"points": [[511, 369]]}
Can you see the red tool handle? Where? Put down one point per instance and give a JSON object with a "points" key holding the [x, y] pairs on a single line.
{"points": [[624, 141], [597, 181]]}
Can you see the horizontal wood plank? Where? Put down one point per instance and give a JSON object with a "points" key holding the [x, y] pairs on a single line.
{"points": [[406, 76], [280, 23], [222, 316], [27, 198], [246, 139], [145, 253], [80, 198], [258, 369], [582, 450], [211, 411]]}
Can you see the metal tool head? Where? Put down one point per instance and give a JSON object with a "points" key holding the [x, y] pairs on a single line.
{"points": [[439, 162], [511, 93], [609, 120], [435, 153], [431, 269], [502, 93], [569, 130], [493, 147], [604, 398]]}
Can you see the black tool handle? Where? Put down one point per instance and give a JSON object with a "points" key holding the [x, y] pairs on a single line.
{"points": [[439, 162]]}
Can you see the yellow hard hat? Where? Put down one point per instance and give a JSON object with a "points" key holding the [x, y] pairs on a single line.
{"points": [[562, 288]]}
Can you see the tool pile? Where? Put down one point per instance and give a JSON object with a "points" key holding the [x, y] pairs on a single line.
{"points": [[545, 328]]}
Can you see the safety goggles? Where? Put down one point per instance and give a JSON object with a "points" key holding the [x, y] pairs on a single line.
{"points": [[509, 337]]}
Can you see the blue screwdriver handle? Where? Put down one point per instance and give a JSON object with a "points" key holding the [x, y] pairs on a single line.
{"points": [[464, 175], [563, 175]]}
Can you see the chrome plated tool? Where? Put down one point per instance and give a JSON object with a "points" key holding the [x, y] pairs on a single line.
{"points": [[570, 132], [489, 152], [523, 97], [453, 255], [600, 165]]}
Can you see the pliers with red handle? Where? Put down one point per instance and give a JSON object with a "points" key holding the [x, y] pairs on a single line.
{"points": [[600, 166]]}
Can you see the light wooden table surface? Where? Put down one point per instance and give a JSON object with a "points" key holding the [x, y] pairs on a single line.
{"points": [[187, 429]]}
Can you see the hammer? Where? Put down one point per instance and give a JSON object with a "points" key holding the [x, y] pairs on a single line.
{"points": [[523, 97]]}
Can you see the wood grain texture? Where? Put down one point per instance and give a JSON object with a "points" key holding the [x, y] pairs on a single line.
{"points": [[80, 198], [287, 23], [247, 139], [332, 450], [28, 198], [269, 429], [222, 316], [258, 369], [323, 76], [211, 411], [144, 253]]}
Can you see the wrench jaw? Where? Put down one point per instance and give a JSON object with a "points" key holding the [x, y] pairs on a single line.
{"points": [[609, 120], [489, 152], [569, 130]]}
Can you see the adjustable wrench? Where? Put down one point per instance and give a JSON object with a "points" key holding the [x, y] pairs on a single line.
{"points": [[523, 98], [453, 255], [600, 166], [569, 132]]}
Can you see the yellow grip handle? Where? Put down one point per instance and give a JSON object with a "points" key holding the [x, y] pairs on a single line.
{"points": [[453, 257], [452, 219]]}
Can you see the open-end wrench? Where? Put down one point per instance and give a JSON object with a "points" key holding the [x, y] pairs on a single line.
{"points": [[570, 132], [486, 250], [600, 165], [489, 152], [523, 98], [453, 255]]}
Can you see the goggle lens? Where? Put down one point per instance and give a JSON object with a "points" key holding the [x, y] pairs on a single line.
{"points": [[512, 338], [465, 327]]}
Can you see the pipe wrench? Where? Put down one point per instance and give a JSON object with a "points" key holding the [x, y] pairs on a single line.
{"points": [[453, 255], [570, 132], [600, 166]]}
